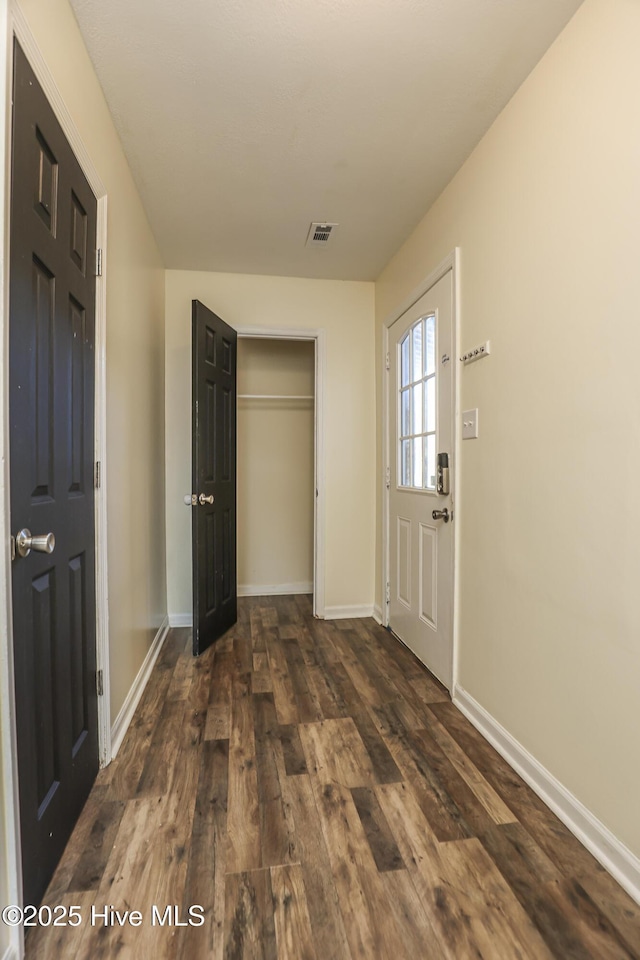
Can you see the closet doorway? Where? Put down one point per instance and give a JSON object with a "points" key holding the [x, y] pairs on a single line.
{"points": [[278, 430]]}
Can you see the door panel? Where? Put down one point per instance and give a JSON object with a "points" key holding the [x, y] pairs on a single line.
{"points": [[428, 575], [214, 475], [404, 562], [420, 426], [51, 410]]}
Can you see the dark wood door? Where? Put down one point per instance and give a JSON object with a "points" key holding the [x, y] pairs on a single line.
{"points": [[51, 409], [214, 477]]}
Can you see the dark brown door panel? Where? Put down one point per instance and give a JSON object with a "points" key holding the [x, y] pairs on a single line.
{"points": [[51, 342], [214, 476]]}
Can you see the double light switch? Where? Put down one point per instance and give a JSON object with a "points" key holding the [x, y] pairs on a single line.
{"points": [[470, 424]]}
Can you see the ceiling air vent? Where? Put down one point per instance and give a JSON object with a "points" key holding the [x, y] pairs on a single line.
{"points": [[320, 234]]}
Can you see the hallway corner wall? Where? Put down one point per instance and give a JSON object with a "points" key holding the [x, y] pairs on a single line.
{"points": [[134, 358], [345, 310], [544, 213]]}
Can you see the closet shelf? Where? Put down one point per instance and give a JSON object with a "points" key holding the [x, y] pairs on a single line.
{"points": [[272, 396]]}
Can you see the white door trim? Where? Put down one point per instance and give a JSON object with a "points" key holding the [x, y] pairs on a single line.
{"points": [[451, 262], [318, 336], [14, 23], [9, 773]]}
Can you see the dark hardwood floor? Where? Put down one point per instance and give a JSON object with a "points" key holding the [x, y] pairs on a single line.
{"points": [[312, 787]]}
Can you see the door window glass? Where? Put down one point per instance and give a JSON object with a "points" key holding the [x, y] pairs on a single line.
{"points": [[417, 406]]}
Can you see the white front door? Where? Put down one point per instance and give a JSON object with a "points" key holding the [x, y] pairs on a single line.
{"points": [[421, 436]]}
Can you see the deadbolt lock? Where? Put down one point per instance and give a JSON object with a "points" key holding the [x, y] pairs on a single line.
{"points": [[442, 474]]}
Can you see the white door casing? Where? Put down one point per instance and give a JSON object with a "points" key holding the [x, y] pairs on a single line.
{"points": [[421, 424]]}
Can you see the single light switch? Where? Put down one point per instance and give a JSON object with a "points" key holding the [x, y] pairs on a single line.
{"points": [[470, 424]]}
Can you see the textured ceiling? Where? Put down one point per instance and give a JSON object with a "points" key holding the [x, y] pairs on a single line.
{"points": [[244, 120]]}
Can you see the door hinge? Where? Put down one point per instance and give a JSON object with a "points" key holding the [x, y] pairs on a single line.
{"points": [[99, 262], [98, 475], [100, 683], [388, 598], [387, 477], [388, 361]]}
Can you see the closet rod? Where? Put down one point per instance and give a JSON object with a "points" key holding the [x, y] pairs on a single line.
{"points": [[272, 396]]}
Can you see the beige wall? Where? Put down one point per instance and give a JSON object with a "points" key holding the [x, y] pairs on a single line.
{"points": [[345, 311], [275, 466], [545, 212], [135, 359]]}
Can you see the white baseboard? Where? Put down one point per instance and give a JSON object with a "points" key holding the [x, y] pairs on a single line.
{"points": [[249, 590], [125, 716], [180, 619], [329, 613], [346, 613], [273, 589], [614, 856], [377, 615]]}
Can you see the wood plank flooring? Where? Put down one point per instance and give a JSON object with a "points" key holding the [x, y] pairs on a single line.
{"points": [[311, 786]]}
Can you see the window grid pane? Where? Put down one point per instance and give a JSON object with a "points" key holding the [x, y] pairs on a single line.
{"points": [[416, 352], [430, 462], [417, 406], [405, 372], [430, 346], [405, 425], [417, 461], [430, 405], [406, 463]]}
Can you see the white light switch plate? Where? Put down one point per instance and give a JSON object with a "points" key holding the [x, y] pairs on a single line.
{"points": [[470, 424]]}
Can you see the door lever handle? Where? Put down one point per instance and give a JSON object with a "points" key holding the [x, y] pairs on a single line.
{"points": [[25, 543], [441, 515]]}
